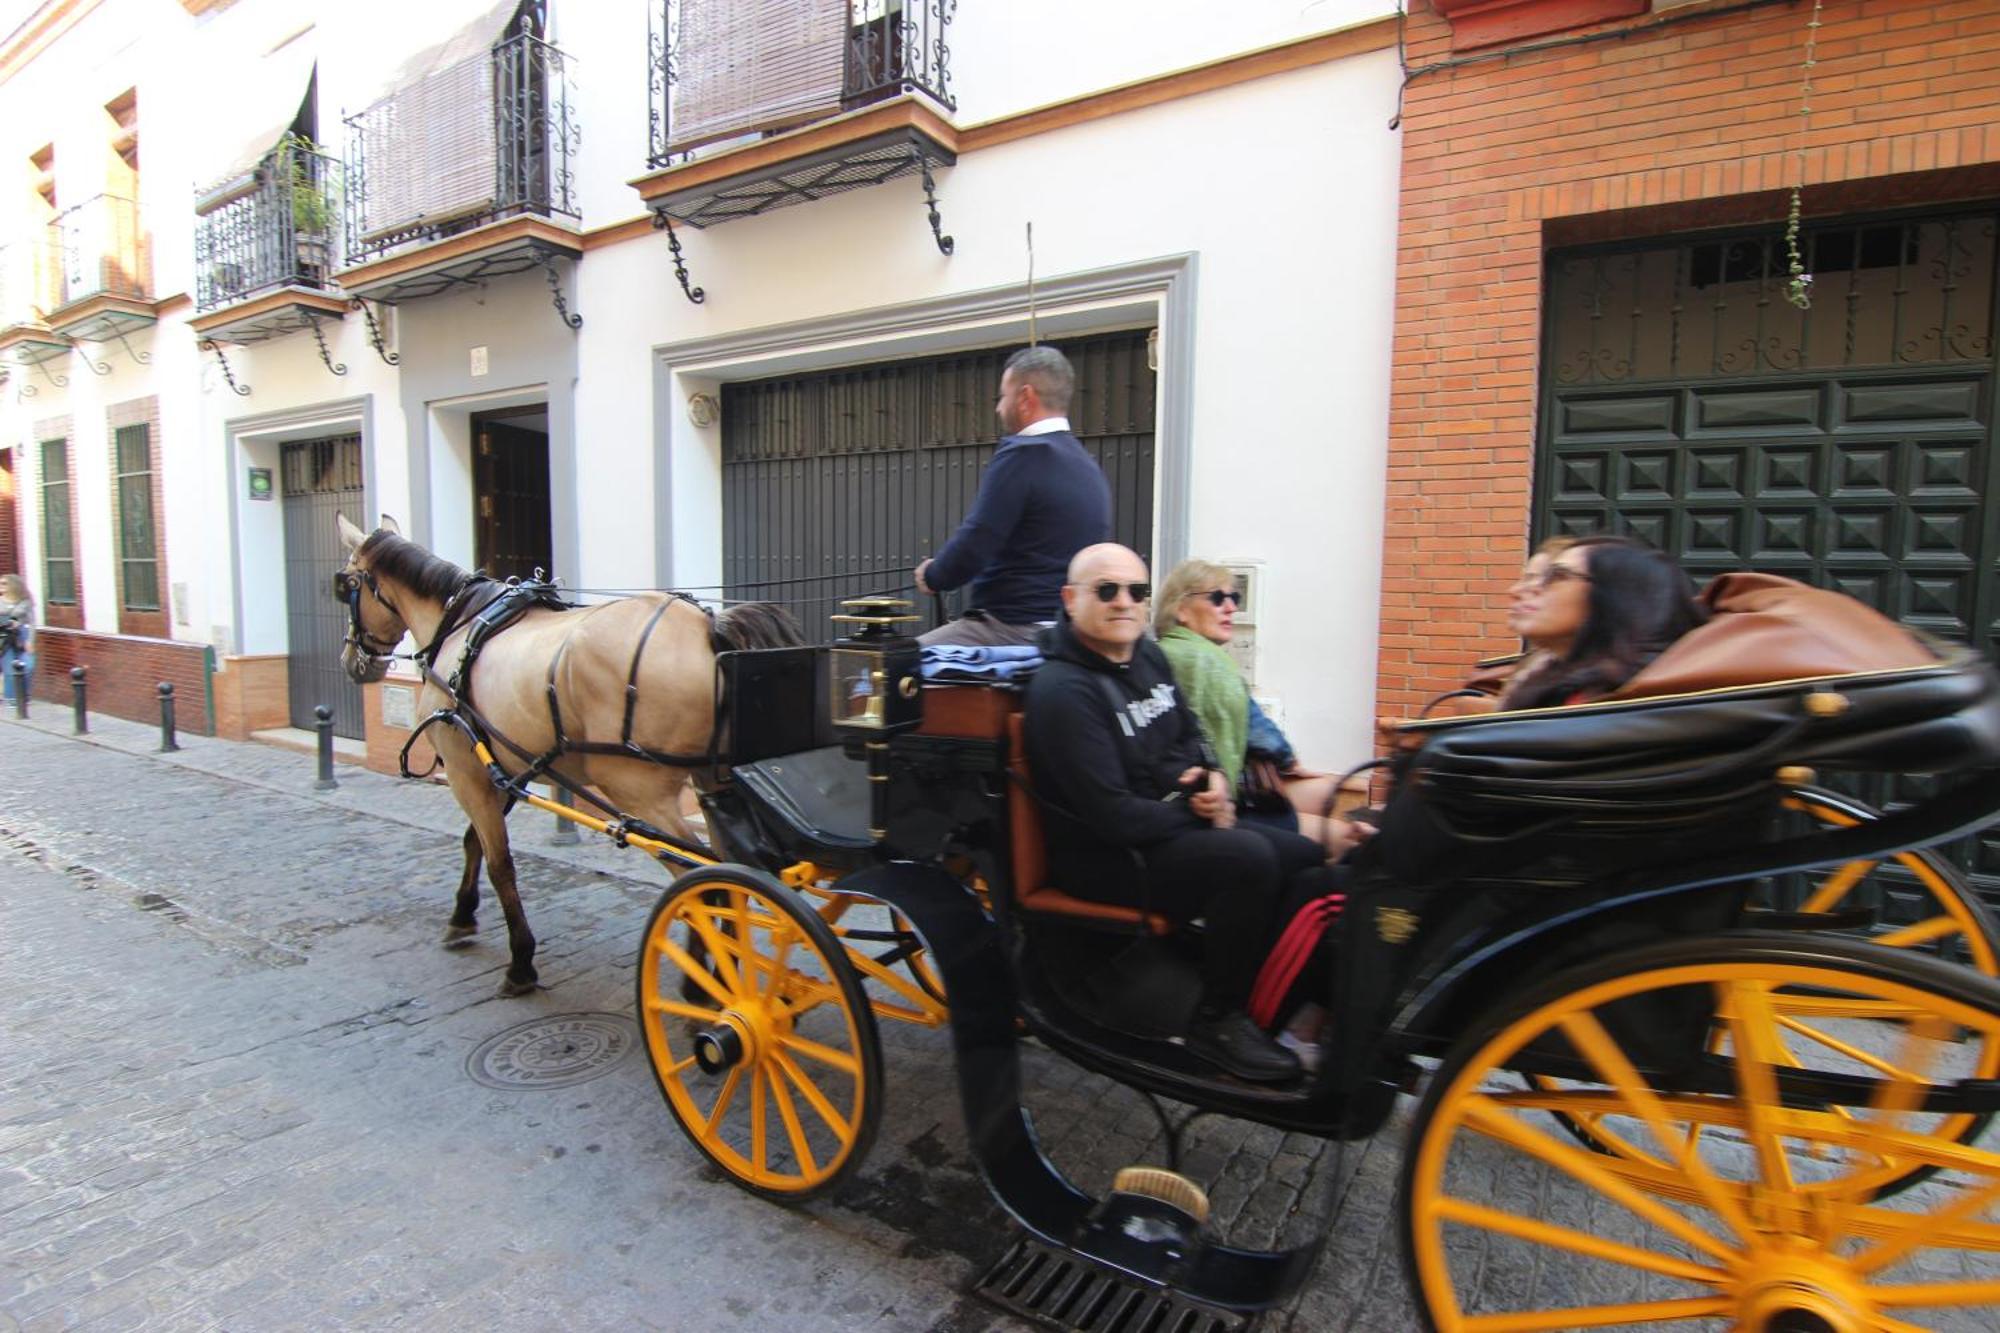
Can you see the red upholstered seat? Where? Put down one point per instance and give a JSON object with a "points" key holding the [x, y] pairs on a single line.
{"points": [[1032, 893]]}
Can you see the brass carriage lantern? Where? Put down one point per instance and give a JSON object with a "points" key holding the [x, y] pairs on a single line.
{"points": [[872, 678]]}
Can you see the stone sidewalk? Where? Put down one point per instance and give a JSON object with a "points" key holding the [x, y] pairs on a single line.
{"points": [[238, 1098]]}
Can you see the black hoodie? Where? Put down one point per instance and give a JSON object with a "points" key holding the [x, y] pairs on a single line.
{"points": [[1108, 777]]}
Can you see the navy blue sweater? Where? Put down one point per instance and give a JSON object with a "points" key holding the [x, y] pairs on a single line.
{"points": [[1042, 500]]}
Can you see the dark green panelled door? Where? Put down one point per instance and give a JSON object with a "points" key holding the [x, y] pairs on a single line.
{"points": [[839, 482], [1850, 444]]}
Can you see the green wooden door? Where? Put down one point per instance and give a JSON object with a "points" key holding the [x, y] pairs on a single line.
{"points": [[1851, 444]]}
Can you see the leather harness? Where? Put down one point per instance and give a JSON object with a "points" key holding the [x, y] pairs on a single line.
{"points": [[483, 607]]}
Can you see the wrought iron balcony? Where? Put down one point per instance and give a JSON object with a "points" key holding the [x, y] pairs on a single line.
{"points": [[746, 115], [103, 252], [718, 75], [276, 227], [480, 141]]}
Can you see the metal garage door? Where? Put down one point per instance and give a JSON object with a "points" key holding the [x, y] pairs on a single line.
{"points": [[321, 478], [839, 482], [1850, 445]]}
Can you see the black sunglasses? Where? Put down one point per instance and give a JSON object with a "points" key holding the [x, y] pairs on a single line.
{"points": [[1217, 596], [1107, 591]]}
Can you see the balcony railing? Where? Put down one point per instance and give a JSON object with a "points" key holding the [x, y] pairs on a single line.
{"points": [[490, 137], [102, 250], [719, 73], [276, 228]]}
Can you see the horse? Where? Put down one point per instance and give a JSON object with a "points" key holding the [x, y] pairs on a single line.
{"points": [[575, 662]]}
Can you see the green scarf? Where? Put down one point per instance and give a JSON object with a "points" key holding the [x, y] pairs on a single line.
{"points": [[1214, 689]]}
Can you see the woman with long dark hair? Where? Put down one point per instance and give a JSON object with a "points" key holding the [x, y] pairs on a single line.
{"points": [[1605, 608]]}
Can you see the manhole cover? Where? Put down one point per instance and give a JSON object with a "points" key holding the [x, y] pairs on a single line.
{"points": [[553, 1052]]}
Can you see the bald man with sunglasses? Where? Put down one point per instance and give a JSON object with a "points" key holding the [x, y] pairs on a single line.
{"points": [[1136, 811]]}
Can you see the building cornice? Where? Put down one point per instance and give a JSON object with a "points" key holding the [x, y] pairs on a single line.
{"points": [[39, 31]]}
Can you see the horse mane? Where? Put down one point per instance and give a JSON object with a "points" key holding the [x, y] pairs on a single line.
{"points": [[398, 558], [757, 625]]}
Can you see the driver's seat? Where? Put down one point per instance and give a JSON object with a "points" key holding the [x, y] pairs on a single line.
{"points": [[1033, 893]]}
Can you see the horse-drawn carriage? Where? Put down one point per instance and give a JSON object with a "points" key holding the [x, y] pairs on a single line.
{"points": [[1678, 1099]]}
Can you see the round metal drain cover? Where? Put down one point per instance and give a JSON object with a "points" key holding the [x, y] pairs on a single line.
{"points": [[553, 1052]]}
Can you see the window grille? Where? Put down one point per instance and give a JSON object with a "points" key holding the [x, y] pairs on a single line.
{"points": [[58, 550], [138, 553]]}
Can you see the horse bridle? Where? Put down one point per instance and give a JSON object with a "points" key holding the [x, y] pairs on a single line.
{"points": [[347, 585]]}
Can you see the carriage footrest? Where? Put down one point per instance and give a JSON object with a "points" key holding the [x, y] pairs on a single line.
{"points": [[1059, 1289]]}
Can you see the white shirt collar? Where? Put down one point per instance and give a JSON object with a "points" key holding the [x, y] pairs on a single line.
{"points": [[1046, 426]]}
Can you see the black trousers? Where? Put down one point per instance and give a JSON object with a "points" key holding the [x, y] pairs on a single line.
{"points": [[1235, 879]]}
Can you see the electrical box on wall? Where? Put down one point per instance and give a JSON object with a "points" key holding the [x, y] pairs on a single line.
{"points": [[1249, 576]]}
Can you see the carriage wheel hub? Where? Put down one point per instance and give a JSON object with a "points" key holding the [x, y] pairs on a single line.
{"points": [[726, 1044], [1801, 1294]]}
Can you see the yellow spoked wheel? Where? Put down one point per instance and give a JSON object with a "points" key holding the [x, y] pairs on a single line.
{"points": [[1746, 1194], [774, 1068], [1948, 922]]}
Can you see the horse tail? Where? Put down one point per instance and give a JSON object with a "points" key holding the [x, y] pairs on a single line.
{"points": [[756, 625]]}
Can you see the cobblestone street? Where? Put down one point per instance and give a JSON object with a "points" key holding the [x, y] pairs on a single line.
{"points": [[237, 1093]]}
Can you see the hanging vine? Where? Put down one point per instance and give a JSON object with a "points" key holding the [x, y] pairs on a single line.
{"points": [[1798, 286]]}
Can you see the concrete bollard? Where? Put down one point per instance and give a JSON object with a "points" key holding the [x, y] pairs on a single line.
{"points": [[76, 687], [565, 834], [20, 689], [323, 724], [167, 741]]}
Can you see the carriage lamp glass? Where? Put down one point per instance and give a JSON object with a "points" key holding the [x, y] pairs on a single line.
{"points": [[872, 669]]}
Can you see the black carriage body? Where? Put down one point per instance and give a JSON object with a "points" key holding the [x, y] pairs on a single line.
{"points": [[1518, 845]]}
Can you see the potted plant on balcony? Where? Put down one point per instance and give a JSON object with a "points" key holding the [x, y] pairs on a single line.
{"points": [[313, 206]]}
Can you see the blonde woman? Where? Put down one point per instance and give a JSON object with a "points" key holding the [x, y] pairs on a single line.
{"points": [[1194, 616], [17, 634]]}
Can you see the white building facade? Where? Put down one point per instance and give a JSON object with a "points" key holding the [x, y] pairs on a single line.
{"points": [[512, 197]]}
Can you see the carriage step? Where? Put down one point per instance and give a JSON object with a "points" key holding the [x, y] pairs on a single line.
{"points": [[1058, 1289], [1169, 1187]]}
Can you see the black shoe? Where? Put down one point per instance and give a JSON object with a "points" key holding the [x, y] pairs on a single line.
{"points": [[1238, 1045]]}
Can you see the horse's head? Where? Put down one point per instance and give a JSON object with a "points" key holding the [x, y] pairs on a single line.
{"points": [[374, 626]]}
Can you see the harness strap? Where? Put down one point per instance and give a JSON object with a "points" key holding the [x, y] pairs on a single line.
{"points": [[632, 675]]}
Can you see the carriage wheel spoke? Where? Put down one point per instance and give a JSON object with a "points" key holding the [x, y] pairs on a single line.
{"points": [[1482, 1114], [1833, 1043], [1578, 1242], [787, 1112], [1938, 1293], [722, 1100], [826, 1055], [816, 1099], [724, 953], [681, 1009], [1838, 885], [1752, 1029], [1589, 1037], [701, 976], [1597, 1316], [1921, 932], [1935, 1227], [757, 1114]]}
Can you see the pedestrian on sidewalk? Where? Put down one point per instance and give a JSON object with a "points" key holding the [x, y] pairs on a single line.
{"points": [[17, 634]]}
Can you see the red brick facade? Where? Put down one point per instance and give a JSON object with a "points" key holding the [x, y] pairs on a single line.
{"points": [[1689, 118], [124, 675], [139, 412], [67, 616]]}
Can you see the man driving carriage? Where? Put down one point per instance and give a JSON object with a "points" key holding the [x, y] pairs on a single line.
{"points": [[1042, 499], [1138, 812]]}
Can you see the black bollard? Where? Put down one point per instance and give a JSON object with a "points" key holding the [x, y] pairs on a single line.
{"points": [[167, 741], [20, 689], [323, 724], [565, 834], [77, 698]]}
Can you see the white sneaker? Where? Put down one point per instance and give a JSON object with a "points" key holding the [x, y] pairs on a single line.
{"points": [[1310, 1053]]}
